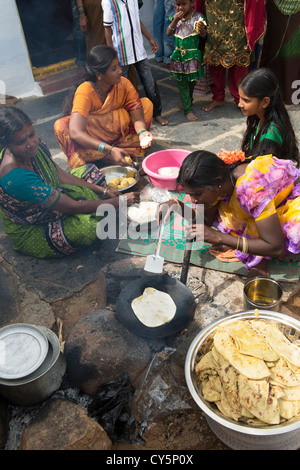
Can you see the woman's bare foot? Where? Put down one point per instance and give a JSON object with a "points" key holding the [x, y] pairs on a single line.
{"points": [[191, 117], [162, 121], [212, 105], [260, 270]]}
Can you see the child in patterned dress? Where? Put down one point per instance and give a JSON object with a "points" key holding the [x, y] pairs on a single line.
{"points": [[187, 27]]}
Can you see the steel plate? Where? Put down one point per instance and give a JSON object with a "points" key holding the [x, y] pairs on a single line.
{"points": [[117, 171], [23, 348]]}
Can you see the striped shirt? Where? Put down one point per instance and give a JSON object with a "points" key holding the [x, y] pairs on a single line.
{"points": [[124, 19]]}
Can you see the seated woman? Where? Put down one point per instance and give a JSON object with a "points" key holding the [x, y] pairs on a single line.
{"points": [[105, 118], [46, 212], [251, 207], [269, 129]]}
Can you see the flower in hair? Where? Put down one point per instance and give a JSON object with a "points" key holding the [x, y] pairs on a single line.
{"points": [[230, 157]]}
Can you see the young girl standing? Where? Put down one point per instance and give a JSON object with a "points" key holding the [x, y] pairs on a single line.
{"points": [[269, 129], [187, 27]]}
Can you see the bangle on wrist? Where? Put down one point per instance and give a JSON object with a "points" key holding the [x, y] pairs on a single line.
{"points": [[81, 10], [175, 200], [245, 245], [111, 149], [101, 147], [141, 132], [104, 192], [172, 29]]}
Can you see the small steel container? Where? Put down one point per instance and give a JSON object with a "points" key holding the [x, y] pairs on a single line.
{"points": [[236, 435], [263, 292]]}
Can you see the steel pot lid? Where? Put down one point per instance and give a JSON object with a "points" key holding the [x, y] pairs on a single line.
{"points": [[23, 348]]}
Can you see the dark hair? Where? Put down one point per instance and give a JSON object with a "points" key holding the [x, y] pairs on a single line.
{"points": [[259, 84], [203, 169], [98, 60], [11, 120]]}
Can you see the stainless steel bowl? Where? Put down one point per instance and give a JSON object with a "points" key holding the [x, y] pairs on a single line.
{"points": [[235, 435], [263, 292], [117, 171]]}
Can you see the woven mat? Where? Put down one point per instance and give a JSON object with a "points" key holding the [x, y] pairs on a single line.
{"points": [[173, 245]]}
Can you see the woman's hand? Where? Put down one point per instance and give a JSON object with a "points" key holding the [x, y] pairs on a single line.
{"points": [[204, 233], [147, 143], [166, 209], [131, 198], [112, 193], [117, 156]]}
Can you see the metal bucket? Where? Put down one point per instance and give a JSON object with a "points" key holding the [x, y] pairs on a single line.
{"points": [[263, 293], [41, 384]]}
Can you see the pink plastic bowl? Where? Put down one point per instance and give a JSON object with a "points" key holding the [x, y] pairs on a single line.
{"points": [[160, 159]]}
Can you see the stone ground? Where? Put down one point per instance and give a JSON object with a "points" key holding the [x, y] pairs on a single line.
{"points": [[52, 293]]}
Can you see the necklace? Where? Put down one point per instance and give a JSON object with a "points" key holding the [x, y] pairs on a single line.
{"points": [[27, 164], [102, 95]]}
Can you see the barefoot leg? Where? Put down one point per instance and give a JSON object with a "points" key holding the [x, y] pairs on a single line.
{"points": [[191, 117], [162, 121], [212, 105]]}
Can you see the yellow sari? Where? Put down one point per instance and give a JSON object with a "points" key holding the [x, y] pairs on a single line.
{"points": [[109, 122], [267, 187]]}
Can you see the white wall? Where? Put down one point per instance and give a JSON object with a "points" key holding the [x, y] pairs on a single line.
{"points": [[16, 76], [15, 69]]}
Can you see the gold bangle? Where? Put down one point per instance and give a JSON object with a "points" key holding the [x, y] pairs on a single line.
{"points": [[174, 199], [238, 242], [245, 245]]}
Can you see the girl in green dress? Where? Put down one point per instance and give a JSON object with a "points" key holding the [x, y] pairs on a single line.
{"points": [[187, 27], [269, 129]]}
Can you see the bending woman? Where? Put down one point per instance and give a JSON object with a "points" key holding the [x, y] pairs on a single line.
{"points": [[269, 129], [46, 212], [105, 118], [253, 207]]}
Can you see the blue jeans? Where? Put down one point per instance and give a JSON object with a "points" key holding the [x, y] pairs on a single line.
{"points": [[144, 71], [163, 9], [78, 37]]}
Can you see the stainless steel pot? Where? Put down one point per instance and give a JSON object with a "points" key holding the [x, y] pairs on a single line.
{"points": [[235, 435], [43, 382]]}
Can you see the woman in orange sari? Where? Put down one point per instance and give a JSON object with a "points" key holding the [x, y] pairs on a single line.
{"points": [[105, 118]]}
